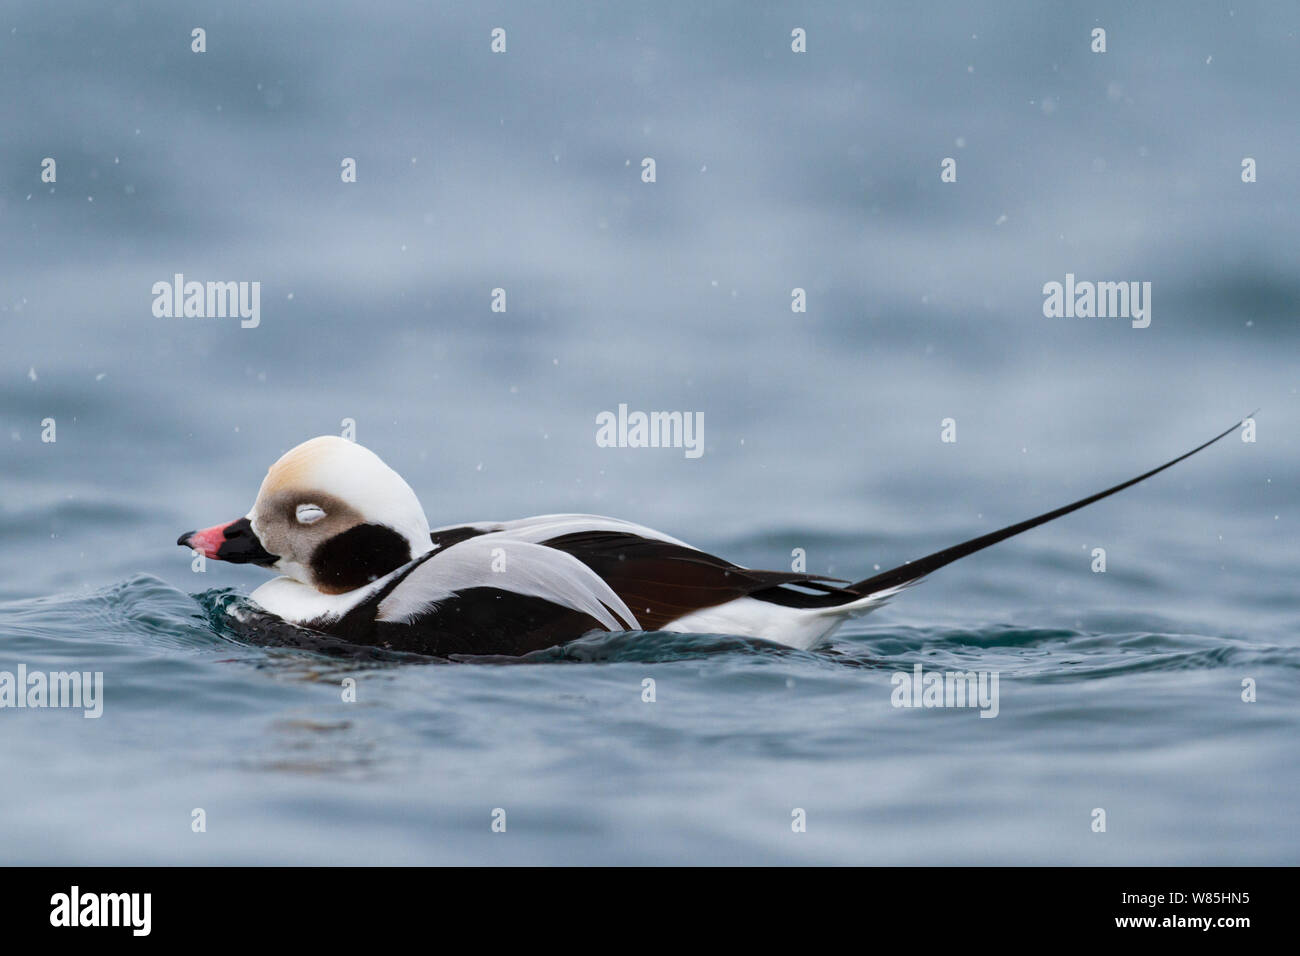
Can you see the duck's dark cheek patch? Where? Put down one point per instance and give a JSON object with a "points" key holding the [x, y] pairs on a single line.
{"points": [[358, 556]]}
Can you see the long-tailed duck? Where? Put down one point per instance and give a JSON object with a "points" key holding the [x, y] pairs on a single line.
{"points": [[360, 563]]}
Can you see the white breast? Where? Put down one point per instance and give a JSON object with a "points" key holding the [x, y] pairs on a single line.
{"points": [[299, 603]]}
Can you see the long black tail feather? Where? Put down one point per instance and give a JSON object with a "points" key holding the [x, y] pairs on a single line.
{"points": [[915, 570]]}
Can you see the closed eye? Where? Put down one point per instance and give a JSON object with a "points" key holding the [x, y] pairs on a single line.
{"points": [[310, 514]]}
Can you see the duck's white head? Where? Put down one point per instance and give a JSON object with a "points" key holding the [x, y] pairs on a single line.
{"points": [[330, 514]]}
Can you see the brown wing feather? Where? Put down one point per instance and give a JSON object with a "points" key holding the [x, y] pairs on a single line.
{"points": [[661, 581]]}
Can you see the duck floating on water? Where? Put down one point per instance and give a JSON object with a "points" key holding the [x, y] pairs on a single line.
{"points": [[359, 562]]}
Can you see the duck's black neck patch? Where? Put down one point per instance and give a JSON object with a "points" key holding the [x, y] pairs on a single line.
{"points": [[358, 556]]}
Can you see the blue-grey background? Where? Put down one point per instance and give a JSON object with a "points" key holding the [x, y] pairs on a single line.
{"points": [[776, 170]]}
